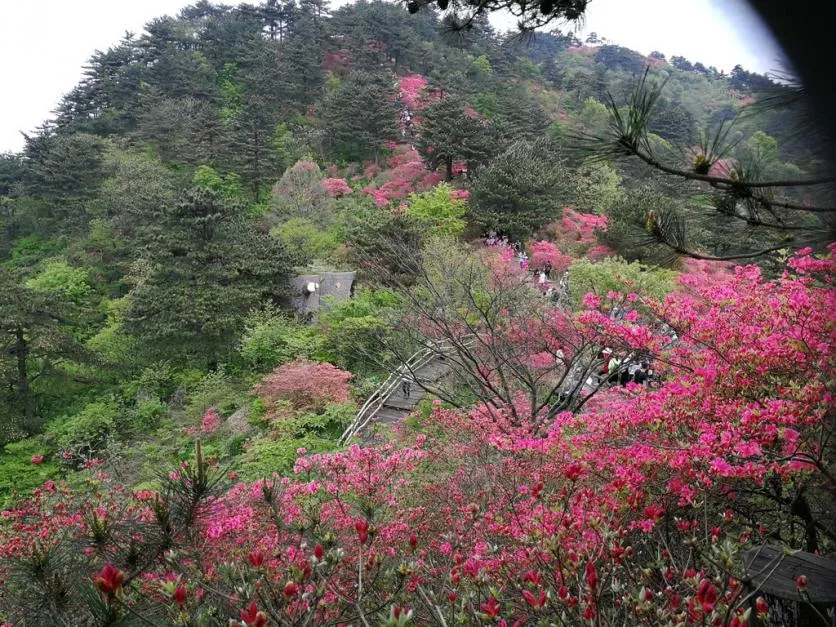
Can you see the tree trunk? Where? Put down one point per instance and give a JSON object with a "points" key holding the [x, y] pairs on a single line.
{"points": [[448, 175], [24, 395]]}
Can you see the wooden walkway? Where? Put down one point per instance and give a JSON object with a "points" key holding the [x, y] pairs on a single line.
{"points": [[387, 404], [396, 406]]}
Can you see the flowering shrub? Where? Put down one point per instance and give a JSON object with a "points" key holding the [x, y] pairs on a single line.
{"points": [[336, 187], [575, 233], [543, 251], [306, 384], [211, 421], [633, 512], [412, 87], [406, 174]]}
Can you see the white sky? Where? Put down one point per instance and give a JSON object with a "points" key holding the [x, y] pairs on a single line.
{"points": [[45, 43]]}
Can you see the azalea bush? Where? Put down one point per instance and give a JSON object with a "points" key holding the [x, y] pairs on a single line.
{"points": [[305, 384], [634, 511]]}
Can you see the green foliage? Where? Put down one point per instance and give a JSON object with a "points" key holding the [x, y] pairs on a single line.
{"points": [[384, 244], [299, 193], [228, 186], [314, 432], [202, 275], [59, 278], [272, 338], [594, 115], [39, 353], [267, 456], [596, 187], [305, 240], [355, 331], [215, 389], [449, 133], [438, 210], [359, 118], [145, 415], [627, 225], [615, 274], [29, 250], [18, 475], [521, 190], [111, 342], [87, 432], [287, 147], [483, 64], [763, 147]]}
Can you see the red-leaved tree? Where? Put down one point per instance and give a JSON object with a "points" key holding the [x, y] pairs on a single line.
{"points": [[306, 384]]}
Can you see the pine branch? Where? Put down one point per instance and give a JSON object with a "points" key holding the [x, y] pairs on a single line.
{"points": [[719, 180]]}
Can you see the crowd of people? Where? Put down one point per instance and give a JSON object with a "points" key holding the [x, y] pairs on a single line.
{"points": [[613, 371], [636, 370], [407, 128]]}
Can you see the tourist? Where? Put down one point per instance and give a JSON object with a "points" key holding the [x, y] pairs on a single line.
{"points": [[406, 387], [642, 374]]}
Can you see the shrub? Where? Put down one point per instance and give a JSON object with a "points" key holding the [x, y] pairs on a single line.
{"points": [[58, 277], [215, 389], [86, 433], [439, 210], [616, 275], [306, 384], [17, 472], [272, 338], [305, 240]]}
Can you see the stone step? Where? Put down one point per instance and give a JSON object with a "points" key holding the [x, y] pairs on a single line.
{"points": [[398, 400], [389, 415]]}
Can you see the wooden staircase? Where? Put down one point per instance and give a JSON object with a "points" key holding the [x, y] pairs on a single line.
{"points": [[387, 404]]}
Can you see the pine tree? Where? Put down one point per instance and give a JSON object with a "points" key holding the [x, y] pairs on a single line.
{"points": [[359, 117], [449, 132], [34, 343], [201, 276]]}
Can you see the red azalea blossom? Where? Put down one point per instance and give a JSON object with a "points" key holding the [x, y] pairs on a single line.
{"points": [[491, 608], [291, 589], [535, 602], [37, 459], [801, 582], [362, 529], [252, 617], [319, 552], [707, 595], [591, 576], [256, 558], [108, 580], [180, 596]]}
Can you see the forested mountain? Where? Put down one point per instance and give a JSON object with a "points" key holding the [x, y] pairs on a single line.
{"points": [[149, 236]]}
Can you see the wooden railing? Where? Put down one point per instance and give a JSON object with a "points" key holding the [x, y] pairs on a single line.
{"points": [[378, 398]]}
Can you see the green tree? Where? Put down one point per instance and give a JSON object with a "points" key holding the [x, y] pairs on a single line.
{"points": [[299, 193], [439, 210], [616, 275], [199, 279], [449, 132], [594, 115], [359, 117], [36, 352], [521, 190], [306, 240]]}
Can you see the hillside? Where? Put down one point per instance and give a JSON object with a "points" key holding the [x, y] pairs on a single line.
{"points": [[157, 370]]}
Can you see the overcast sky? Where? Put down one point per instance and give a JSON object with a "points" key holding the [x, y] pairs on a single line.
{"points": [[45, 43]]}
